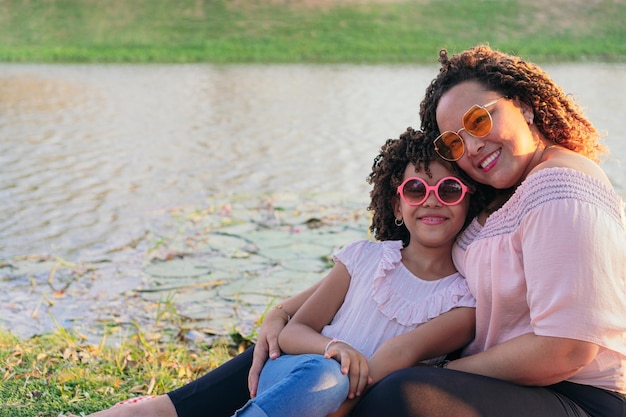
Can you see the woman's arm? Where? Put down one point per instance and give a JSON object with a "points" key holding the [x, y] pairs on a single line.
{"points": [[267, 341], [530, 360], [571, 278]]}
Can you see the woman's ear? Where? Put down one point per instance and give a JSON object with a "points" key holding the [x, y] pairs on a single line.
{"points": [[527, 111]]}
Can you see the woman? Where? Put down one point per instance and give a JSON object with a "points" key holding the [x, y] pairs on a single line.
{"points": [[546, 262]]}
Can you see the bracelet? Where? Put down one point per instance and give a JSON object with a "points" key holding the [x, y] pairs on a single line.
{"points": [[334, 340], [443, 364], [280, 307]]}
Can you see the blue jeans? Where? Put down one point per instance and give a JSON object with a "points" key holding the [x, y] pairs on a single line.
{"points": [[298, 385]]}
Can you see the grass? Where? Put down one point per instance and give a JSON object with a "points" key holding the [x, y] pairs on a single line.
{"points": [[56, 373], [306, 31]]}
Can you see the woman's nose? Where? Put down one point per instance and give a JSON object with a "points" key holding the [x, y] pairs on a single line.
{"points": [[473, 145]]}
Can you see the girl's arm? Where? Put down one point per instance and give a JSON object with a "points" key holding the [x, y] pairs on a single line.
{"points": [[267, 341], [302, 334], [442, 335], [439, 336]]}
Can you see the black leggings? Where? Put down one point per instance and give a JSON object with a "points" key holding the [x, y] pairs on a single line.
{"points": [[436, 392], [219, 393], [414, 392]]}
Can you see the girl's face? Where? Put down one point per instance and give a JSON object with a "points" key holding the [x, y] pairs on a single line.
{"points": [[508, 152], [432, 223]]}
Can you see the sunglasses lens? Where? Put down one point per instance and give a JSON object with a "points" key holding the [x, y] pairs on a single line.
{"points": [[450, 191], [414, 192], [477, 121], [450, 146]]}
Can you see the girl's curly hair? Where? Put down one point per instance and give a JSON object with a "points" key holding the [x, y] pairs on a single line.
{"points": [[556, 115], [388, 173]]}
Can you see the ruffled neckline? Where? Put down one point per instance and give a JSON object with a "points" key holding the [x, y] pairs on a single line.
{"points": [[395, 305]]}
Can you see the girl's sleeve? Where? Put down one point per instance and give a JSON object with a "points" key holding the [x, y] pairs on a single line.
{"points": [[350, 254]]}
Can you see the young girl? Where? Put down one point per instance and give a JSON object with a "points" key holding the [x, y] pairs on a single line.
{"points": [[384, 305]]}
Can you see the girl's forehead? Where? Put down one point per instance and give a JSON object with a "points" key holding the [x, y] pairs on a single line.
{"points": [[437, 170]]}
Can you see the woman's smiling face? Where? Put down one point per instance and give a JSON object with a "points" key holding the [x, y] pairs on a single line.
{"points": [[508, 152]]}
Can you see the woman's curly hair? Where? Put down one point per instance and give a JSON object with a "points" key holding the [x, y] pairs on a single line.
{"points": [[556, 115], [388, 173]]}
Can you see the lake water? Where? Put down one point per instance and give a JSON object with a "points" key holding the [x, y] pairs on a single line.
{"points": [[95, 157]]}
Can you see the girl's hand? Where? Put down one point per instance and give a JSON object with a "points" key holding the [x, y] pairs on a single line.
{"points": [[266, 346], [353, 364]]}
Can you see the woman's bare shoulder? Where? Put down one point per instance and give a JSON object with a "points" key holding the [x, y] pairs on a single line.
{"points": [[565, 158]]}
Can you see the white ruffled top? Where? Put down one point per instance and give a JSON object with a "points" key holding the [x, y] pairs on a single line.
{"points": [[385, 299]]}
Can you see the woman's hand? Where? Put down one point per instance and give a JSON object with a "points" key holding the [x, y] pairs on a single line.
{"points": [[266, 345], [353, 364]]}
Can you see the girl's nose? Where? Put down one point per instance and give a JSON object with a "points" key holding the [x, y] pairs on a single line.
{"points": [[431, 200]]}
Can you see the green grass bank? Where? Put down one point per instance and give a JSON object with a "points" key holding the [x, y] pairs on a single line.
{"points": [[57, 373], [306, 31]]}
